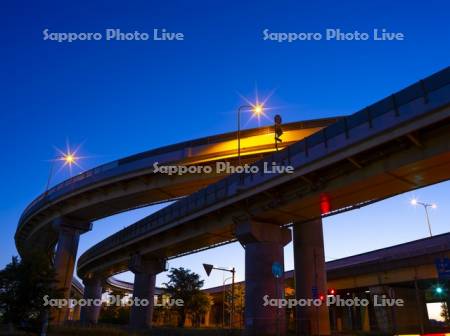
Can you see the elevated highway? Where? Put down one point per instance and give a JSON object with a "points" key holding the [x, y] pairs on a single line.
{"points": [[376, 153], [393, 146], [62, 213], [129, 183]]}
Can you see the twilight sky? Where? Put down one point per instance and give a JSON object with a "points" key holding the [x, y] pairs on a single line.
{"points": [[117, 98]]}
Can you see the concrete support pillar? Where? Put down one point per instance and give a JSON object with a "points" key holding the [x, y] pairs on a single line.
{"points": [[69, 231], [207, 318], [263, 243], [383, 315], [365, 325], [310, 278], [92, 292], [145, 271], [76, 313]]}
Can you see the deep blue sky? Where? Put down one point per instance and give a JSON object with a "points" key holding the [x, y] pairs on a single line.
{"points": [[124, 97]]}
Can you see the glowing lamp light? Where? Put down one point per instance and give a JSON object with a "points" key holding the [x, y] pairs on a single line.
{"points": [[425, 205], [438, 290], [325, 204], [69, 158], [258, 109]]}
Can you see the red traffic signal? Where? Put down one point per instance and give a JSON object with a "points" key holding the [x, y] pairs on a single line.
{"points": [[325, 203]]}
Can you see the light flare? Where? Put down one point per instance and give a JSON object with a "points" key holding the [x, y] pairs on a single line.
{"points": [[69, 158], [258, 107]]}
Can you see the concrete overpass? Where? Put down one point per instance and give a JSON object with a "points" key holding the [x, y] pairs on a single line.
{"points": [[61, 214], [128, 183], [393, 146], [405, 271]]}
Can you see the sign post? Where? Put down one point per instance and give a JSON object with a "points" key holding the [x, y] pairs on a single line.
{"points": [[208, 268], [277, 271]]}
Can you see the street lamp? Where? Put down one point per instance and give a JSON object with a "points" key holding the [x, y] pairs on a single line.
{"points": [[208, 268], [425, 205], [68, 158], [257, 110]]}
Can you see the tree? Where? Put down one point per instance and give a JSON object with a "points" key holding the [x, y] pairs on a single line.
{"points": [[114, 314], [198, 306], [162, 313], [444, 313], [185, 285], [23, 285], [239, 305]]}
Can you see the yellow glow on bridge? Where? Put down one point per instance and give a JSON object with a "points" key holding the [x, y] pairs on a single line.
{"points": [[250, 146]]}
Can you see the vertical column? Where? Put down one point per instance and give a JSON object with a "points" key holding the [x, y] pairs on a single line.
{"points": [[420, 304], [207, 318], [365, 319], [310, 278], [145, 271], [263, 243], [69, 231], [383, 315], [93, 295], [76, 313]]}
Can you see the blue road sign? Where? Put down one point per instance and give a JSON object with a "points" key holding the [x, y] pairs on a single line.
{"points": [[277, 269], [443, 268]]}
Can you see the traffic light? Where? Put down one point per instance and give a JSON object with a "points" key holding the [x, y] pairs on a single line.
{"points": [[278, 130], [331, 291], [439, 290], [325, 203]]}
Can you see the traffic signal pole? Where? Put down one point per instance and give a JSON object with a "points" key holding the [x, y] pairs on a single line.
{"points": [[278, 130], [208, 268]]}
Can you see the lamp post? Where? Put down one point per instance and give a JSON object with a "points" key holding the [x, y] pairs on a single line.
{"points": [[208, 268], [257, 110], [50, 174], [425, 205]]}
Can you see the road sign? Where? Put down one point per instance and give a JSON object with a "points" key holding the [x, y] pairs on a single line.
{"points": [[443, 268], [208, 268], [277, 269]]}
